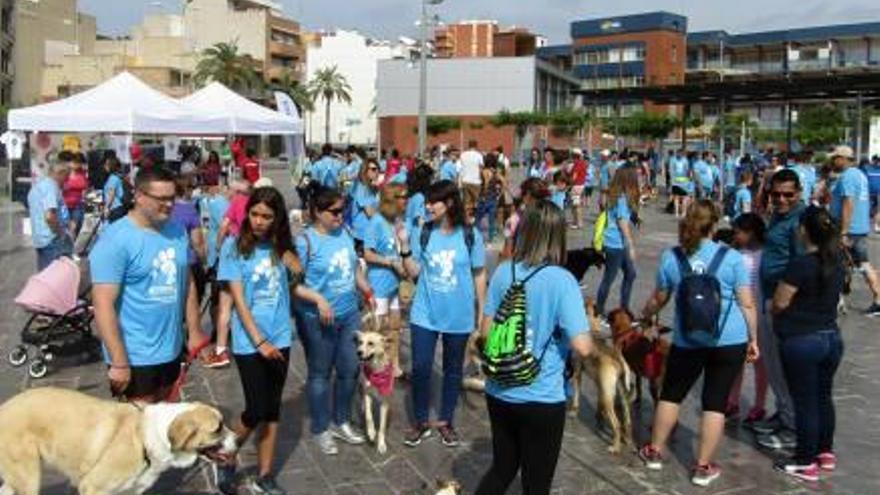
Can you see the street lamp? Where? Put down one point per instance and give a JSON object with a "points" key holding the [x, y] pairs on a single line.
{"points": [[423, 75]]}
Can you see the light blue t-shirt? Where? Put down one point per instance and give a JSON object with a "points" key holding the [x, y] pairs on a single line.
{"points": [[558, 198], [330, 263], [555, 315], [705, 175], [679, 170], [807, 177], [606, 173], [362, 197], [853, 184], [400, 176], [613, 237], [445, 300], [213, 210], [732, 274], [45, 196], [151, 269], [448, 171], [380, 238], [415, 210], [743, 197], [730, 172], [266, 294], [326, 171], [114, 183]]}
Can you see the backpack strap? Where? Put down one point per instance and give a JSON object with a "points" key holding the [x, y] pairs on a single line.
{"points": [[529, 276], [717, 260], [305, 236], [428, 229], [684, 265]]}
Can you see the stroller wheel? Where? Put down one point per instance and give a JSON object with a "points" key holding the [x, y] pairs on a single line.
{"points": [[38, 369], [18, 356]]}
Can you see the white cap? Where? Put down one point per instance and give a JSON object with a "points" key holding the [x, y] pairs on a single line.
{"points": [[264, 182], [577, 151]]}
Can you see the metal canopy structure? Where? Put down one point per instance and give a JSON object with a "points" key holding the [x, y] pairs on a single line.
{"points": [[737, 89]]}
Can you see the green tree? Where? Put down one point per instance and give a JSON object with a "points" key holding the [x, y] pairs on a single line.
{"points": [[520, 121], [330, 85], [646, 125], [567, 122], [300, 93], [732, 126], [438, 125], [819, 126], [223, 63]]}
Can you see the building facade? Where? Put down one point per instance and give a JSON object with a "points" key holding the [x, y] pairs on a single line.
{"points": [[7, 42], [476, 39]]}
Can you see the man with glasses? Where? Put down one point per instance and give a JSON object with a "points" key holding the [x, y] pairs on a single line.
{"points": [[142, 288], [851, 206], [782, 244]]}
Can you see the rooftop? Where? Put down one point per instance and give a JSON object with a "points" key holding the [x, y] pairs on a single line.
{"points": [[797, 35]]}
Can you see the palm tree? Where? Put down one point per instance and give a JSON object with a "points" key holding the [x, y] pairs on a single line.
{"points": [[300, 93], [223, 63], [330, 85]]}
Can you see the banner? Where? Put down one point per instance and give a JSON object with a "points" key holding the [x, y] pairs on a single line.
{"points": [[294, 146], [874, 137]]}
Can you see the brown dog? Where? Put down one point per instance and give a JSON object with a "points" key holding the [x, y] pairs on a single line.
{"points": [[636, 343], [613, 378]]}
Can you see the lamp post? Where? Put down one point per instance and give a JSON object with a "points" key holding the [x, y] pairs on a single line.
{"points": [[423, 75]]}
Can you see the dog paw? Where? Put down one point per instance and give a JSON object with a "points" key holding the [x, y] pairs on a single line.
{"points": [[572, 412], [614, 449], [371, 434], [381, 447]]}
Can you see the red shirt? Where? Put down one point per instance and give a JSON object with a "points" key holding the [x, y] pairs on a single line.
{"points": [[579, 172], [251, 171], [237, 212], [74, 186]]}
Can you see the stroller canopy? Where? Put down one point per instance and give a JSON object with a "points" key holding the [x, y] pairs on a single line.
{"points": [[54, 290]]}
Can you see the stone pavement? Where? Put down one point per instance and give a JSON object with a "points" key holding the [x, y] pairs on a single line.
{"points": [[584, 466]]}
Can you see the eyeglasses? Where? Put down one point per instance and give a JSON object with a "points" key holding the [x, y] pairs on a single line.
{"points": [[159, 199], [402, 196], [335, 211], [782, 194]]}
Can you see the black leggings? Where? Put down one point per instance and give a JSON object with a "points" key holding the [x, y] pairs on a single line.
{"points": [[525, 437], [721, 366], [263, 381]]}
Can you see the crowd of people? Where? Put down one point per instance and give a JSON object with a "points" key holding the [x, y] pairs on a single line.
{"points": [[407, 240]]}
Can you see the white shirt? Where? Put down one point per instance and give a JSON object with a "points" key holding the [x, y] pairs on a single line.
{"points": [[14, 142], [471, 163]]}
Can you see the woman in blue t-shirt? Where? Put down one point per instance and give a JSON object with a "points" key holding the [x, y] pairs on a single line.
{"points": [[448, 262], [256, 266], [720, 358], [528, 421], [364, 200], [329, 317], [619, 237], [384, 265], [417, 183]]}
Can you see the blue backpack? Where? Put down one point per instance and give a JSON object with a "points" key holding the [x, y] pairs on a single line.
{"points": [[698, 300]]}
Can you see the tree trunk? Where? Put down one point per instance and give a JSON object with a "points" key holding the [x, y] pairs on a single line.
{"points": [[326, 120]]}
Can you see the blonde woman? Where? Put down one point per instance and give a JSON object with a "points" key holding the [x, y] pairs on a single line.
{"points": [[619, 237], [384, 264]]}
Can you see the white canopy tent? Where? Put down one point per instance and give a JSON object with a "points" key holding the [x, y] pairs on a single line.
{"points": [[123, 104], [244, 117]]}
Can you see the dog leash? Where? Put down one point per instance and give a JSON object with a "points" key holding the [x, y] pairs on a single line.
{"points": [[174, 393]]}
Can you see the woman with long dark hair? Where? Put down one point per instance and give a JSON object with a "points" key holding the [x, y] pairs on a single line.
{"points": [[805, 320], [619, 236], [416, 185], [364, 201], [718, 355], [257, 265], [448, 258]]}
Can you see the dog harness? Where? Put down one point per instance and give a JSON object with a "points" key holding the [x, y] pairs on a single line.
{"points": [[382, 380]]}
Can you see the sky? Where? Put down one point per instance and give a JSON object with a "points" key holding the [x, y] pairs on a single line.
{"points": [[551, 18]]}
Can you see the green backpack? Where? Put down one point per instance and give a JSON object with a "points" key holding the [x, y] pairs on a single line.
{"points": [[506, 361]]}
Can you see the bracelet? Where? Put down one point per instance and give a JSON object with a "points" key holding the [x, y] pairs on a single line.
{"points": [[120, 367], [406, 254], [368, 294], [260, 344]]}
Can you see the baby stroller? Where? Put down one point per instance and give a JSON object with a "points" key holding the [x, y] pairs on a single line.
{"points": [[60, 322]]}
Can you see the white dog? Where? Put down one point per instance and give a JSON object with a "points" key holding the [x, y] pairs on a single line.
{"points": [[377, 379]]}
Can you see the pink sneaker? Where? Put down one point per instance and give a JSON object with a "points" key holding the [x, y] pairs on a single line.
{"points": [[704, 475], [827, 461]]}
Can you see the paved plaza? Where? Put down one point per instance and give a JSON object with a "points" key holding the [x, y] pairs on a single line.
{"points": [[585, 466]]}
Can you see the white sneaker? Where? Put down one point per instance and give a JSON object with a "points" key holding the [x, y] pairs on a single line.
{"points": [[326, 443], [347, 434]]}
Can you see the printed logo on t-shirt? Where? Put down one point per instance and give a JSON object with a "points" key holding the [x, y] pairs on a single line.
{"points": [[265, 293], [341, 271], [442, 276], [163, 277]]}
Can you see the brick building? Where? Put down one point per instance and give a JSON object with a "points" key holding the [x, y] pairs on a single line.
{"points": [[476, 39]]}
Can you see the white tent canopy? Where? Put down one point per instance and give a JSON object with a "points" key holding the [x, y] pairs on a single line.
{"points": [[123, 104], [243, 115]]}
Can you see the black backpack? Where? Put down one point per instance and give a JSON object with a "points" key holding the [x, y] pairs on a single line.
{"points": [[505, 359], [698, 300]]}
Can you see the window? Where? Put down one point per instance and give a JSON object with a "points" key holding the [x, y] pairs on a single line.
{"points": [[674, 53]]}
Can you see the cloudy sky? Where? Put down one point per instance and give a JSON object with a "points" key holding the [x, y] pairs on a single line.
{"points": [[393, 18]]}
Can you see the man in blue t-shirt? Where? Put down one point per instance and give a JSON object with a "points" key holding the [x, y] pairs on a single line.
{"points": [[49, 217], [872, 170], [326, 170], [850, 205], [142, 287]]}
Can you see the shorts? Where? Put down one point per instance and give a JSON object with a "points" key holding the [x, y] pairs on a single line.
{"points": [[471, 195], [384, 304], [858, 251], [149, 380], [263, 382], [588, 191], [875, 204], [577, 195], [679, 191], [721, 366]]}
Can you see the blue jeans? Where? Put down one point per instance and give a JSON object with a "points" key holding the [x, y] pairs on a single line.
{"points": [[60, 246], [328, 349], [77, 214], [424, 342], [616, 260], [487, 208], [810, 361]]}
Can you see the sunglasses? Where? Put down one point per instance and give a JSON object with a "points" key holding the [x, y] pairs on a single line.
{"points": [[786, 194], [402, 196], [160, 199], [335, 211]]}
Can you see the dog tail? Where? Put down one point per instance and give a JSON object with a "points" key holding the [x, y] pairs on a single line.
{"points": [[628, 383]]}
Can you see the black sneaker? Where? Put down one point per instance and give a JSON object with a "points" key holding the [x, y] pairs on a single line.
{"points": [[448, 436], [873, 310], [415, 435], [266, 484], [224, 478]]}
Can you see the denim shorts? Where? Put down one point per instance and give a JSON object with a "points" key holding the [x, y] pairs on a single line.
{"points": [[858, 251]]}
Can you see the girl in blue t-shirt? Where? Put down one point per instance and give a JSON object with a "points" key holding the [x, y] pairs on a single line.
{"points": [[720, 362], [256, 266], [384, 265], [528, 421], [364, 200], [329, 318], [619, 237], [448, 262], [417, 183]]}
